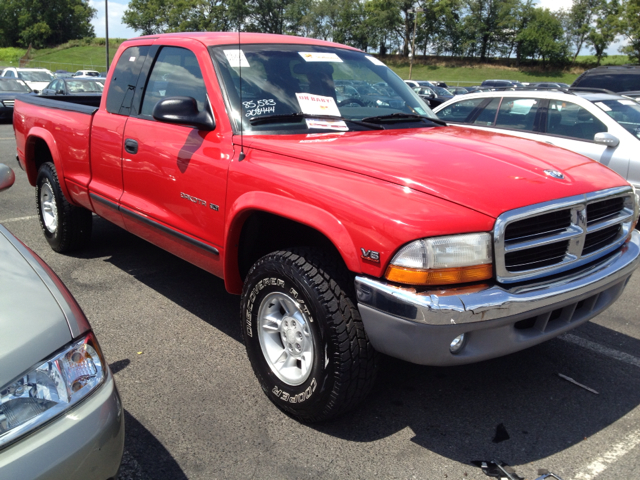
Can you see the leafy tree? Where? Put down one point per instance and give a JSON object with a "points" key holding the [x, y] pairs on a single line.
{"points": [[543, 38], [580, 20], [382, 21], [44, 22], [606, 28], [630, 28], [487, 23]]}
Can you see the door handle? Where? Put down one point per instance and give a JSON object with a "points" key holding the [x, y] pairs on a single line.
{"points": [[131, 146]]}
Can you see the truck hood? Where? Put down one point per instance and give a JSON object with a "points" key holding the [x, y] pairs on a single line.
{"points": [[485, 171], [32, 322]]}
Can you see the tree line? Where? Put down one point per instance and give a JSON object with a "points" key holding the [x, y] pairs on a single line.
{"points": [[479, 29], [461, 28], [43, 23]]}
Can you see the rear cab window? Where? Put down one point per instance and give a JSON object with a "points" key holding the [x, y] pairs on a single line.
{"points": [[124, 79]]}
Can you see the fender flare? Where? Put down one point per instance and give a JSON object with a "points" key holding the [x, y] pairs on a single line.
{"points": [[284, 207], [29, 157]]}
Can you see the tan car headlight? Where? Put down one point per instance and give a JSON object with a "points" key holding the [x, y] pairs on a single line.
{"points": [[52, 387]]}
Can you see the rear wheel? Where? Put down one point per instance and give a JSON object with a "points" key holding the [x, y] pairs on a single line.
{"points": [[304, 336], [65, 226]]}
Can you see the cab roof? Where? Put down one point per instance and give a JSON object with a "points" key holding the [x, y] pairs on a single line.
{"points": [[245, 38]]}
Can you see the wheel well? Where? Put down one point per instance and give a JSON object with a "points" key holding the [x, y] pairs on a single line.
{"points": [[37, 153], [264, 233]]}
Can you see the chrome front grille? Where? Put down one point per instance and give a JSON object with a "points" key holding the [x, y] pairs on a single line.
{"points": [[8, 103], [552, 237]]}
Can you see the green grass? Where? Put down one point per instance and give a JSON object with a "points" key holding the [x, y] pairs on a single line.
{"points": [[610, 60], [87, 54], [475, 75], [11, 55]]}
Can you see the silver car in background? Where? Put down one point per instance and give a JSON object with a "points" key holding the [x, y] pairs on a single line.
{"points": [[60, 413], [603, 127]]}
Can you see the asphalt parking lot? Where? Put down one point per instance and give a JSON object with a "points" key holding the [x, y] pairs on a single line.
{"points": [[194, 410]]}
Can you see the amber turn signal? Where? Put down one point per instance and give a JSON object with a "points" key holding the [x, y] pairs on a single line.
{"points": [[440, 276]]}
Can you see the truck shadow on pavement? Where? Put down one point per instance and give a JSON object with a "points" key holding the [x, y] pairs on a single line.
{"points": [[516, 408], [200, 293]]}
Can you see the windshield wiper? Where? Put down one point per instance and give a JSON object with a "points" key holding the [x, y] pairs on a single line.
{"points": [[299, 115], [402, 117]]}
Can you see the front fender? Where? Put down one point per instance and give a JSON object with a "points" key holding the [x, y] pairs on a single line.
{"points": [[291, 209]]}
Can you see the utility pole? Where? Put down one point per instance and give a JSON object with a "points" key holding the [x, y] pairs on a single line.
{"points": [[106, 29], [413, 42]]}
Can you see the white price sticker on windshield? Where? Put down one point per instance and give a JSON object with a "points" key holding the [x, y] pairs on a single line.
{"points": [[603, 106], [236, 58], [320, 57], [327, 124], [317, 105], [375, 61], [627, 102]]}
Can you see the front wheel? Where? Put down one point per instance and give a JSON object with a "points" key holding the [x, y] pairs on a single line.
{"points": [[304, 336], [65, 226]]}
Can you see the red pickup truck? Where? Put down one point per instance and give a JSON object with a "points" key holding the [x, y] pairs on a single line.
{"points": [[322, 189]]}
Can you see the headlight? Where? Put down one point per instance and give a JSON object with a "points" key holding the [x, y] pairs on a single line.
{"points": [[443, 260], [50, 388]]}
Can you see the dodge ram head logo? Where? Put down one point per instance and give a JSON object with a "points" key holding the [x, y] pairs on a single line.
{"points": [[554, 174], [370, 255]]}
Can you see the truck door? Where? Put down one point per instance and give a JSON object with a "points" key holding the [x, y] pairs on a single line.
{"points": [[175, 176], [107, 130]]}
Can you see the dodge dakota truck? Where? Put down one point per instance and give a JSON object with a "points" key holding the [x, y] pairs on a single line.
{"points": [[350, 224]]}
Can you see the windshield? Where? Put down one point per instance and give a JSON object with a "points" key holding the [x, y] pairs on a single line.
{"points": [[312, 80], [14, 86], [625, 112], [35, 76], [84, 86]]}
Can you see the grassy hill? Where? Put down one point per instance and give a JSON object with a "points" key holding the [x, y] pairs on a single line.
{"points": [[86, 54], [90, 54]]}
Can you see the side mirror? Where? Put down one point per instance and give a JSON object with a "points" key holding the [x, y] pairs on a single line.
{"points": [[59, 92], [605, 138], [7, 177], [183, 111]]}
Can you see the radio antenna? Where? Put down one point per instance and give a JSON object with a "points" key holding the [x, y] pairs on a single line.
{"points": [[242, 155]]}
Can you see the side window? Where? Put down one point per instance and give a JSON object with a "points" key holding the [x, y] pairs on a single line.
{"points": [[570, 120], [124, 79], [175, 74], [488, 114], [518, 113], [55, 86], [11, 74], [460, 111]]}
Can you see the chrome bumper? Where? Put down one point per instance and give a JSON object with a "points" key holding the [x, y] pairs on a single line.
{"points": [[497, 320]]}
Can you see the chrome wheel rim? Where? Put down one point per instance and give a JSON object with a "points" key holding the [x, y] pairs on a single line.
{"points": [[285, 338], [48, 207]]}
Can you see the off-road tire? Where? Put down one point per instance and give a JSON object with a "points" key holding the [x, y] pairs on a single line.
{"points": [[74, 224], [344, 365]]}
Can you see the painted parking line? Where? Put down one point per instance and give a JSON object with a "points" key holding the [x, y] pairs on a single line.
{"points": [[601, 463], [596, 347], [8, 138], [18, 219]]}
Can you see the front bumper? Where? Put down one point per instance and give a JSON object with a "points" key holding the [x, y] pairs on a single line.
{"points": [[500, 319], [85, 443]]}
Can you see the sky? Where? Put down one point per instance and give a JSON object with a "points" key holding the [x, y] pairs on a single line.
{"points": [[119, 30]]}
